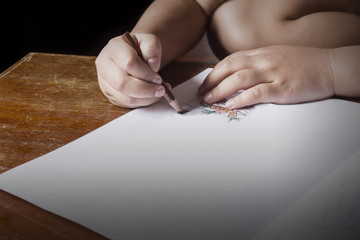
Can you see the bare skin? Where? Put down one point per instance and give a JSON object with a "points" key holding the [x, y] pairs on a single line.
{"points": [[280, 51]]}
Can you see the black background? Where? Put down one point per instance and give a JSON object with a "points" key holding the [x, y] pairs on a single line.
{"points": [[69, 27]]}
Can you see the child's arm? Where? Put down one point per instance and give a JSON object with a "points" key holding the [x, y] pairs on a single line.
{"points": [[345, 64], [177, 24], [167, 29], [285, 75]]}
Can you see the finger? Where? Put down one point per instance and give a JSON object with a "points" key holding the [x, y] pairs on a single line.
{"points": [[137, 88], [224, 69], [262, 93], [151, 50], [240, 80], [168, 85], [126, 58], [123, 100], [120, 81], [111, 73]]}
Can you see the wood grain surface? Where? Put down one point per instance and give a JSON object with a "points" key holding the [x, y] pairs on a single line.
{"points": [[47, 101]]}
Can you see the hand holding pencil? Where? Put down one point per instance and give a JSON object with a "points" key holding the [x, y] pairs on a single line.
{"points": [[128, 79]]}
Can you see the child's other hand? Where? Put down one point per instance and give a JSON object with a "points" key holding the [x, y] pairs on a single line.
{"points": [[124, 78], [277, 74]]}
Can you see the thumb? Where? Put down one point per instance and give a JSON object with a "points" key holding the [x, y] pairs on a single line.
{"points": [[151, 50]]}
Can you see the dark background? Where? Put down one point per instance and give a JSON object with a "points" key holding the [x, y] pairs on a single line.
{"points": [[69, 27]]}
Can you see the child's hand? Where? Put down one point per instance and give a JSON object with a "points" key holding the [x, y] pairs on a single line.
{"points": [[279, 74], [124, 78]]}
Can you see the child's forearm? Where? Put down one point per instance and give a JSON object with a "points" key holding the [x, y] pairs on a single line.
{"points": [[179, 24], [345, 64]]}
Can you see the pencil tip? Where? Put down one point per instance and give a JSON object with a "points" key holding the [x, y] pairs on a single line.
{"points": [[182, 111], [175, 104]]}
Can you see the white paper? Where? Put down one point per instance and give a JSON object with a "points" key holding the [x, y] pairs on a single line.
{"points": [[330, 210], [155, 174]]}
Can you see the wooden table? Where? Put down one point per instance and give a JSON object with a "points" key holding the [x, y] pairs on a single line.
{"points": [[47, 101]]}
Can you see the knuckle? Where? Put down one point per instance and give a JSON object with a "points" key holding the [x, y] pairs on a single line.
{"points": [[285, 94], [241, 76], [120, 84], [130, 63], [98, 61], [114, 101], [156, 39], [105, 90], [257, 92], [227, 63], [157, 43], [114, 41], [130, 102], [153, 43], [266, 58]]}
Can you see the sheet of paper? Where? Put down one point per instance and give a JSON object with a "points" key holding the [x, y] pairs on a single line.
{"points": [[330, 210], [155, 174]]}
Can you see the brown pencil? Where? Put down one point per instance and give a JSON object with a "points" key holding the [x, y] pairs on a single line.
{"points": [[169, 96]]}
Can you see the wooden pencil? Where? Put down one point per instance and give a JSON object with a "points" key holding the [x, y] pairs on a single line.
{"points": [[169, 96]]}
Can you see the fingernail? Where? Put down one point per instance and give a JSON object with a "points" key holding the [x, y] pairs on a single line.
{"points": [[229, 104], [157, 80], [154, 64], [208, 97], [160, 92]]}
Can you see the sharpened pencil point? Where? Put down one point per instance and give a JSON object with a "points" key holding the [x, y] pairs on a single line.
{"points": [[175, 105], [182, 111]]}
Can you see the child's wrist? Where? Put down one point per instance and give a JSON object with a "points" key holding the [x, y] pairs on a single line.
{"points": [[332, 70]]}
